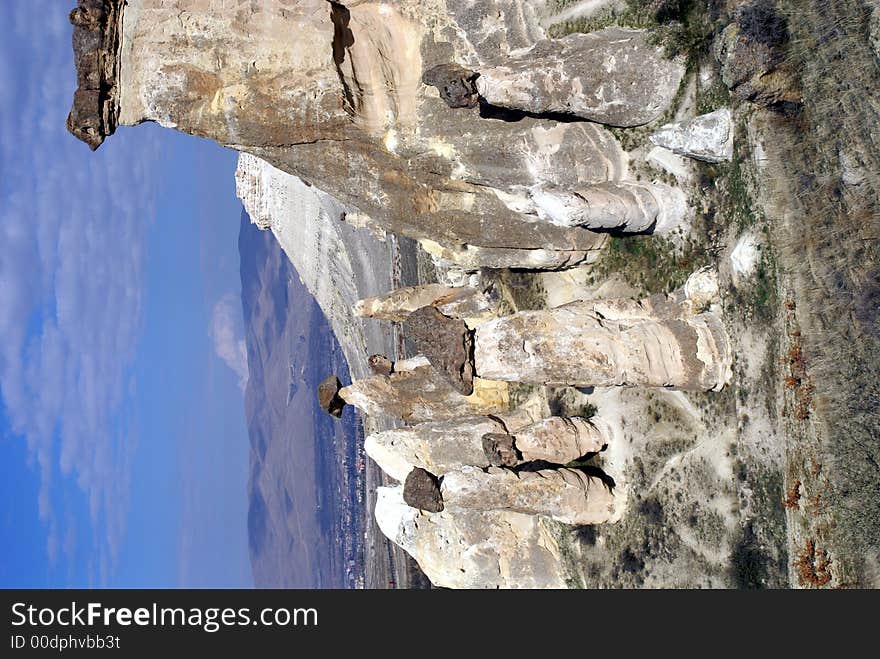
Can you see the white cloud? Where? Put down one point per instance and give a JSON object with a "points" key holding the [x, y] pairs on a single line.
{"points": [[72, 227], [230, 347]]}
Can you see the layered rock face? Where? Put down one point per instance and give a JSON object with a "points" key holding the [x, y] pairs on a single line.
{"points": [[337, 262], [343, 107], [472, 549]]}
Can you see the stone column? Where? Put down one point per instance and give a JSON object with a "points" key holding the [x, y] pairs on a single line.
{"points": [[574, 345], [481, 441], [567, 495]]}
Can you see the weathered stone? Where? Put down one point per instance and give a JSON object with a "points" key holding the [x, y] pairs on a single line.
{"points": [[613, 76], [96, 38], [421, 490], [483, 441], [421, 394], [447, 343], [561, 439], [567, 495], [469, 549], [381, 365], [438, 446], [577, 346], [471, 258], [343, 107], [708, 137], [328, 396], [455, 84], [456, 302], [629, 206]]}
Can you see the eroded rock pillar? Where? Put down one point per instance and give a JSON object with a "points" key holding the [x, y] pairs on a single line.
{"points": [[567, 495]]}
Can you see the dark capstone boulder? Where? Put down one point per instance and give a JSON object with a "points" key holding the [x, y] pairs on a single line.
{"points": [[328, 396], [381, 365], [455, 83], [422, 490], [500, 450], [447, 343], [96, 57]]}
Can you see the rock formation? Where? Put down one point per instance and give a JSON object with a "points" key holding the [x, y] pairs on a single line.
{"points": [[455, 302], [575, 345], [444, 446], [471, 549], [416, 392], [613, 76], [437, 446], [337, 262], [96, 39], [629, 207], [569, 496], [343, 107], [708, 137], [661, 341], [446, 343], [556, 440]]}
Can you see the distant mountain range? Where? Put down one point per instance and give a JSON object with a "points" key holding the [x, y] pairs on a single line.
{"points": [[301, 517]]}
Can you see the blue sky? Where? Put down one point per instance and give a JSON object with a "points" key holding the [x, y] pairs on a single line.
{"points": [[123, 447]]}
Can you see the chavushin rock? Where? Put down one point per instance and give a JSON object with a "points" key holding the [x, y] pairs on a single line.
{"points": [[344, 108]]}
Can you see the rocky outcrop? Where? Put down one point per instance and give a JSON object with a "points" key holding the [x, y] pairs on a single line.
{"points": [[614, 76], [752, 62], [343, 107], [96, 40], [708, 137], [471, 549], [456, 302], [419, 393], [567, 495], [444, 446]]}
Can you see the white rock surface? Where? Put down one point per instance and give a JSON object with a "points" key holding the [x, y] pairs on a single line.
{"points": [[708, 137], [470, 549]]}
